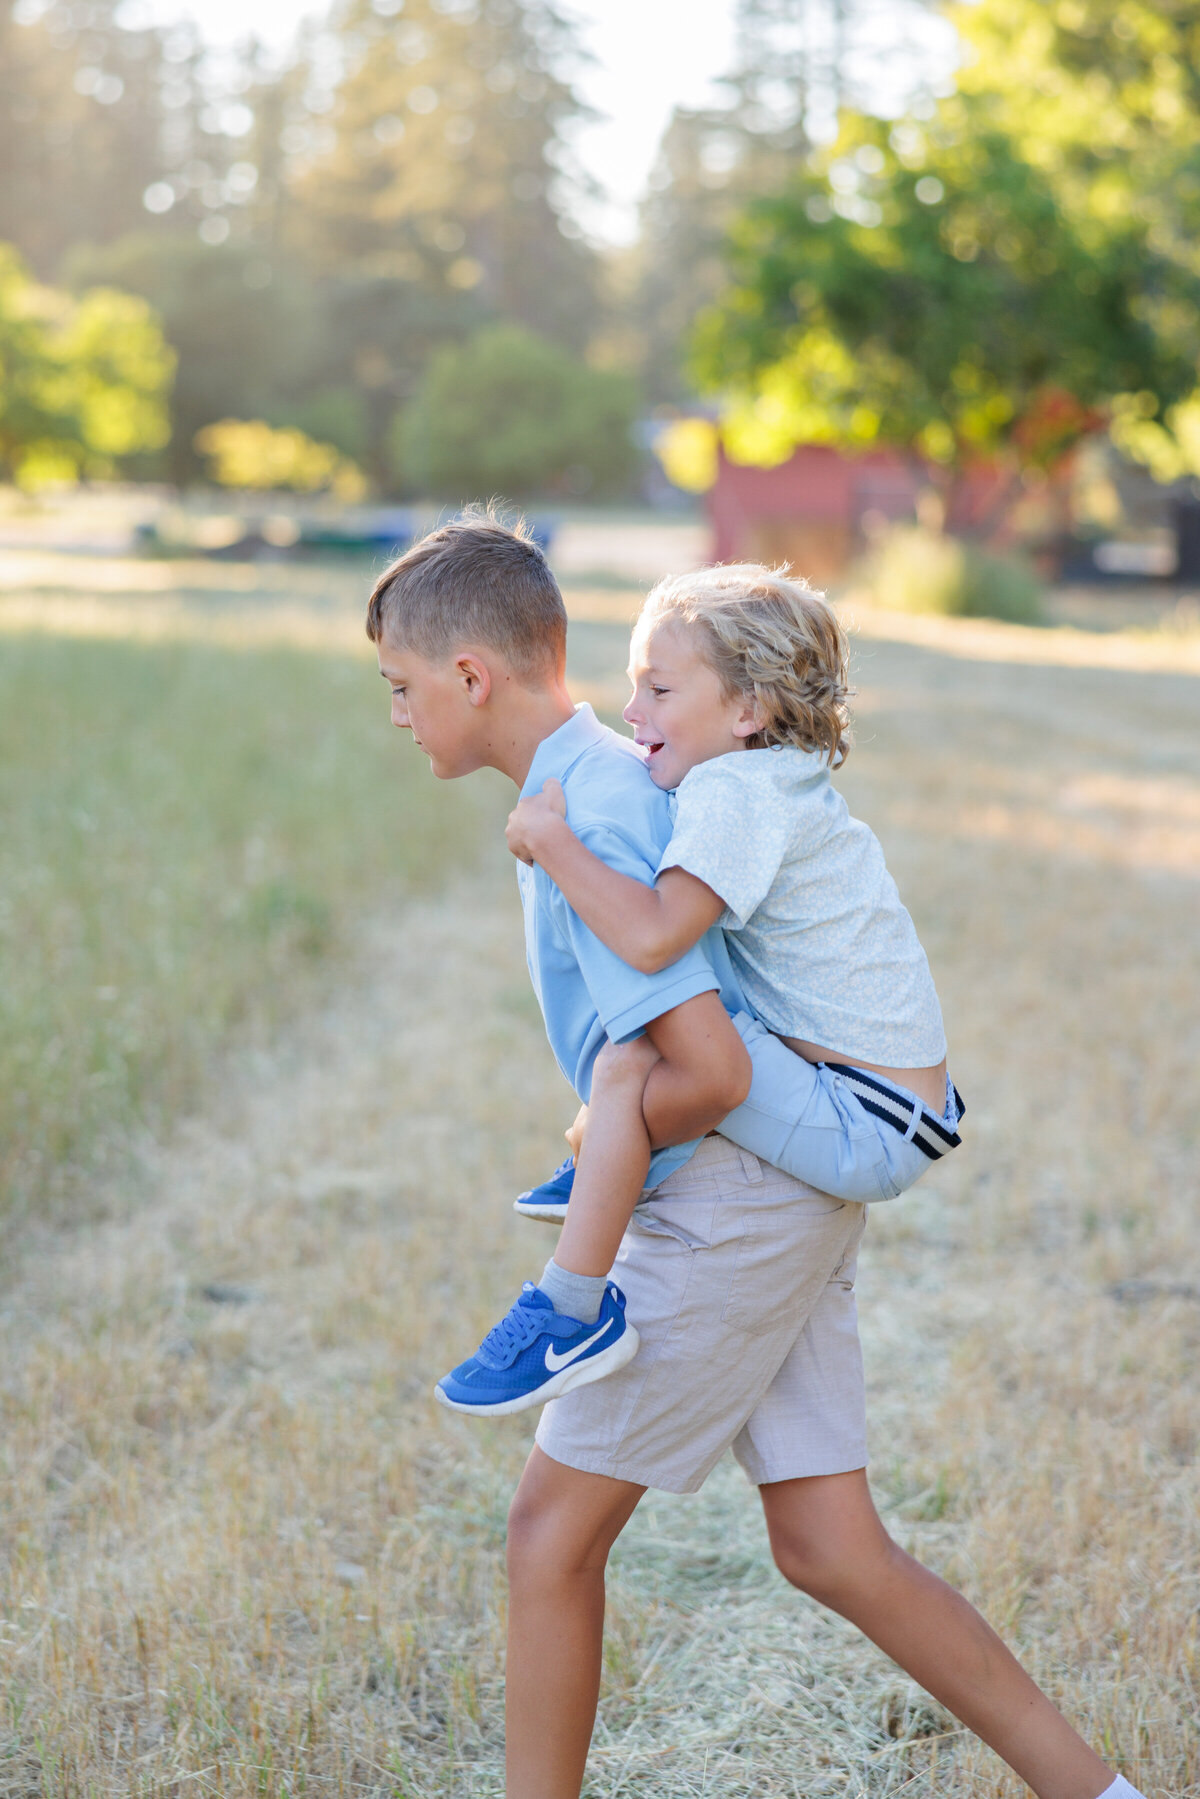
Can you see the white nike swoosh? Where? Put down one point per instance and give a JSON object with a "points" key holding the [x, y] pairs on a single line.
{"points": [[554, 1361]]}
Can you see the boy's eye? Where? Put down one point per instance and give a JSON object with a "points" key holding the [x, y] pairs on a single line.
{"points": [[659, 691]]}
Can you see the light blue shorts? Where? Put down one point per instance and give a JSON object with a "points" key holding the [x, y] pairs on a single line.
{"points": [[844, 1130]]}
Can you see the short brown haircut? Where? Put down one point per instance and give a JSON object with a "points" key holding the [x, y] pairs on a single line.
{"points": [[769, 636], [474, 581]]}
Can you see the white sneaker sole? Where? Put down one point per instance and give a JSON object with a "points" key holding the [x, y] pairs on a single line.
{"points": [[543, 1210], [579, 1374]]}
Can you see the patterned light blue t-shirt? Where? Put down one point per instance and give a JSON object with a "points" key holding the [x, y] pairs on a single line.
{"points": [[818, 937]]}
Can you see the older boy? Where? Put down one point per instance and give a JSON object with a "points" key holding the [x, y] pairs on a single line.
{"points": [[744, 1277]]}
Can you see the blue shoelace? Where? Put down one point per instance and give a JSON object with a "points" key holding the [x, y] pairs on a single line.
{"points": [[515, 1331]]}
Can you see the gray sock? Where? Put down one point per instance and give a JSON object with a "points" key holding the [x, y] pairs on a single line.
{"points": [[574, 1295]]}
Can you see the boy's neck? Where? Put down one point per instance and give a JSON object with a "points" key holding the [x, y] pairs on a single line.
{"points": [[525, 719]]}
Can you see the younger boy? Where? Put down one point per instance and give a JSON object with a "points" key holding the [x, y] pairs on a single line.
{"points": [[745, 1275]]}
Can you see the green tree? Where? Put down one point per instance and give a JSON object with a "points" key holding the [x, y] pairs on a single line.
{"points": [[249, 453], [708, 167], [1101, 96], [796, 63], [238, 342], [260, 335], [937, 287], [107, 129], [436, 158], [370, 343], [111, 129], [513, 414], [1103, 100], [83, 382], [80, 125], [309, 234]]}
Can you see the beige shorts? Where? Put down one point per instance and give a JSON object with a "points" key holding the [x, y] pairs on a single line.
{"points": [[740, 1281]]}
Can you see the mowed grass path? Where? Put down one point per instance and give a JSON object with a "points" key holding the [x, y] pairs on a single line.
{"points": [[245, 1554]]}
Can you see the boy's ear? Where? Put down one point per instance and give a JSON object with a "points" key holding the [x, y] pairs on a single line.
{"points": [[751, 719], [475, 677]]}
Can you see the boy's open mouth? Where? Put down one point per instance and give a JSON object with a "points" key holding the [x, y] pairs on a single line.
{"points": [[651, 746]]}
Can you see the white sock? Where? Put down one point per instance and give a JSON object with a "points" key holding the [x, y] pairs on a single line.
{"points": [[1121, 1789], [573, 1295]]}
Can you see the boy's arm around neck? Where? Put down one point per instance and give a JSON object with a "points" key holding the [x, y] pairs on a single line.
{"points": [[703, 1072], [648, 927]]}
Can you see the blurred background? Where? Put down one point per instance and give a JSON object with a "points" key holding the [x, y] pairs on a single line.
{"points": [[823, 268], [908, 296]]}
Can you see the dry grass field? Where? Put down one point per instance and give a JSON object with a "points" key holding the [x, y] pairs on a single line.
{"points": [[243, 1553]]}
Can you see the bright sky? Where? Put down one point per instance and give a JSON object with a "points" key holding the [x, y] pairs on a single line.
{"points": [[650, 55]]}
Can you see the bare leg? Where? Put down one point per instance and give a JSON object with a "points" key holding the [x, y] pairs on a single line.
{"points": [[688, 1072], [705, 1071], [560, 1529], [827, 1539], [612, 1160]]}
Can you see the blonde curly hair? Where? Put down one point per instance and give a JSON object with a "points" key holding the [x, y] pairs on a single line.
{"points": [[765, 632]]}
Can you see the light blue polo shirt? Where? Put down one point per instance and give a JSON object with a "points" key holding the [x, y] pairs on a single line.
{"points": [[585, 991]]}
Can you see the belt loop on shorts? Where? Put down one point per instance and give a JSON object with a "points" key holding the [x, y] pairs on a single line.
{"points": [[751, 1167], [914, 1121]]}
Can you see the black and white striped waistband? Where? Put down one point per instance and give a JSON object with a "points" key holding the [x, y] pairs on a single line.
{"points": [[882, 1101]]}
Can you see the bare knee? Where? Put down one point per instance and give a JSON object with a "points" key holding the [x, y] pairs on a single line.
{"points": [[531, 1535], [563, 1522], [833, 1573], [544, 1545], [623, 1067]]}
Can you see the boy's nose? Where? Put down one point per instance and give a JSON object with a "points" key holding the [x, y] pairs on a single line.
{"points": [[630, 714]]}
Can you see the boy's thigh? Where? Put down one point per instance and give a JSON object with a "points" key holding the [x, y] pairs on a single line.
{"points": [[812, 1418], [561, 1515], [722, 1270]]}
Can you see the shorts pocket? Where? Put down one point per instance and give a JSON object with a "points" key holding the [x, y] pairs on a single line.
{"points": [[847, 1269], [657, 1222], [776, 1264]]}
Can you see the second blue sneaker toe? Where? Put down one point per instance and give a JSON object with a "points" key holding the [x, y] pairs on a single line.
{"points": [[549, 1201]]}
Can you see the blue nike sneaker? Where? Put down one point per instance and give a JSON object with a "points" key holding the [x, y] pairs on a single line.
{"points": [[534, 1354], [549, 1201]]}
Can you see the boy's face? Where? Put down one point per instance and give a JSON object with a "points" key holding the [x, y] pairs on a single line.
{"points": [[439, 702], [680, 713]]}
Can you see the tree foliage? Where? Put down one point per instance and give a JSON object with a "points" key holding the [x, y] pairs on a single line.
{"points": [[510, 413], [106, 126], [1105, 101], [966, 283], [1102, 98], [439, 160], [249, 453], [83, 381], [310, 234], [237, 343], [79, 128], [795, 63]]}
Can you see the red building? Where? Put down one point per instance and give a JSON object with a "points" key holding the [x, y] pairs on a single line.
{"points": [[817, 509]]}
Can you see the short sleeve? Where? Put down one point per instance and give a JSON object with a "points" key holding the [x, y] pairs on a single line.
{"points": [[732, 831], [626, 1000]]}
